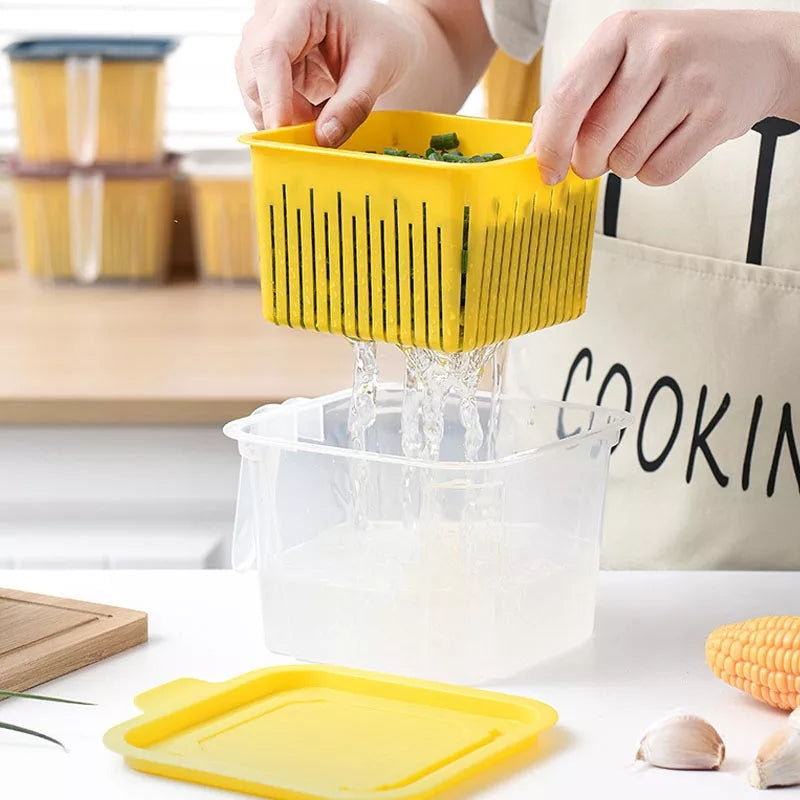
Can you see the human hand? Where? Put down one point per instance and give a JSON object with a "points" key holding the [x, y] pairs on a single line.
{"points": [[652, 92], [328, 60]]}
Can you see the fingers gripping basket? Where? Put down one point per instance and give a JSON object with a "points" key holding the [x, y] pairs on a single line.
{"points": [[415, 252]]}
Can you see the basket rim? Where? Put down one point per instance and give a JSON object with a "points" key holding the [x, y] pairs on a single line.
{"points": [[263, 140]]}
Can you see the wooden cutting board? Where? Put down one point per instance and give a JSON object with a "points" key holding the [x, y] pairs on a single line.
{"points": [[42, 638]]}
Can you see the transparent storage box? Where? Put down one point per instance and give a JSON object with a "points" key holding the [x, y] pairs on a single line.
{"points": [[448, 570], [89, 99], [109, 222], [224, 216]]}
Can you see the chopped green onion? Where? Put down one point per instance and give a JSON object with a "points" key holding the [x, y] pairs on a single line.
{"points": [[443, 147], [444, 141]]}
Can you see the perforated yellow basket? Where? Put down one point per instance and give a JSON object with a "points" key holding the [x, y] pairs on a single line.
{"points": [[416, 252]]}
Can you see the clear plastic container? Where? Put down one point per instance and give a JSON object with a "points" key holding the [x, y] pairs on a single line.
{"points": [[448, 570], [89, 99], [221, 183], [101, 223]]}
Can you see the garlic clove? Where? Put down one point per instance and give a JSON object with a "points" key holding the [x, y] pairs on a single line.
{"points": [[778, 760], [682, 741]]}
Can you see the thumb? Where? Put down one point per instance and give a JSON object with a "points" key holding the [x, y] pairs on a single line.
{"points": [[531, 148], [360, 86]]}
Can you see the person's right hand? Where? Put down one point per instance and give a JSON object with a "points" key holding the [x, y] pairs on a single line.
{"points": [[328, 60]]}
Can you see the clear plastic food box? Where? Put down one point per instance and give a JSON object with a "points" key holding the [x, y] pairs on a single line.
{"points": [[109, 222], [89, 99], [224, 215], [448, 570]]}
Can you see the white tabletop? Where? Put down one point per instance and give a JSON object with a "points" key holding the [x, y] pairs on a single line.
{"points": [[645, 660]]}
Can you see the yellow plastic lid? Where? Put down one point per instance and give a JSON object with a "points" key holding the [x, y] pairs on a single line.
{"points": [[325, 733]]}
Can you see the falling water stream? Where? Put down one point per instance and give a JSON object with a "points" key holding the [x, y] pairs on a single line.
{"points": [[431, 380]]}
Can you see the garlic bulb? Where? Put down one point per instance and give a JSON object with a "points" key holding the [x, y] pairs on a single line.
{"points": [[682, 741], [778, 760]]}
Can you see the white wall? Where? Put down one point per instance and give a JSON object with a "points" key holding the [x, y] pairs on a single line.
{"points": [[129, 497]]}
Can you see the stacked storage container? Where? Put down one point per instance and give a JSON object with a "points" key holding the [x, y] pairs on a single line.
{"points": [[223, 213], [93, 184]]}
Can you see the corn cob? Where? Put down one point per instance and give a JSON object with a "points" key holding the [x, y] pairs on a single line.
{"points": [[760, 656]]}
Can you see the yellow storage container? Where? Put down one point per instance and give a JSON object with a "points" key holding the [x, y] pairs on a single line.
{"points": [[416, 252], [87, 224], [224, 221], [87, 100]]}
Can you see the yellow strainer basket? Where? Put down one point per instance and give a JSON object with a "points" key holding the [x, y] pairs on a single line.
{"points": [[414, 252]]}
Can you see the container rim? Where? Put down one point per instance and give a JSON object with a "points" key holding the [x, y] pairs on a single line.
{"points": [[17, 168], [112, 48], [265, 140], [218, 164], [236, 430]]}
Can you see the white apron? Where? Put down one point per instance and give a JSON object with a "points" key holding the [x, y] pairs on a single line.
{"points": [[693, 324]]}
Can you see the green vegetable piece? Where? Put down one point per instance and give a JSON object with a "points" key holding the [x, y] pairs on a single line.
{"points": [[464, 261], [7, 726], [27, 695], [452, 158], [457, 153], [434, 156], [476, 160], [492, 156], [444, 141], [395, 151], [415, 155], [428, 152]]}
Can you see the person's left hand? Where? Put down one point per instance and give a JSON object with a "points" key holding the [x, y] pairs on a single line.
{"points": [[652, 92]]}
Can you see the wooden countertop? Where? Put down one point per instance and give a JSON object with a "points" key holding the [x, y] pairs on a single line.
{"points": [[187, 352]]}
